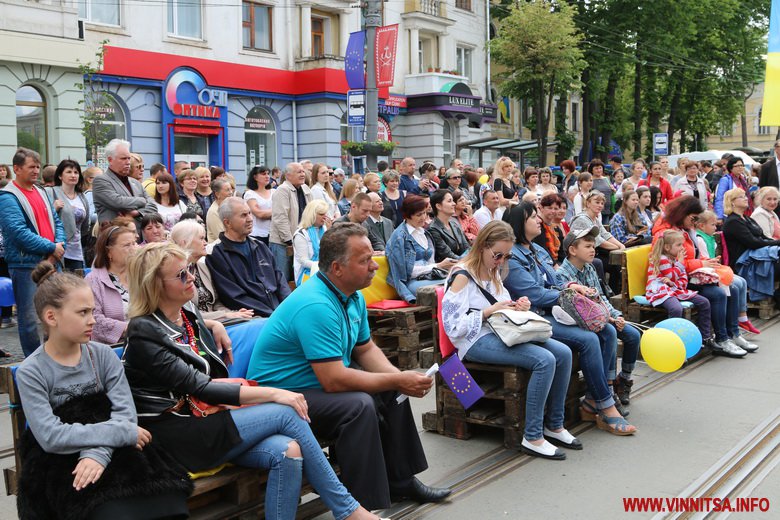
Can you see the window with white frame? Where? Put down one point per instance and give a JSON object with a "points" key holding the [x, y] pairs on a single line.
{"points": [[104, 12], [762, 130], [425, 50], [257, 26], [446, 143], [463, 4], [464, 61], [185, 18]]}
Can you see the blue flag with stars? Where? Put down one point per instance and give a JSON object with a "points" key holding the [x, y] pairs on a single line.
{"points": [[460, 381], [353, 60]]}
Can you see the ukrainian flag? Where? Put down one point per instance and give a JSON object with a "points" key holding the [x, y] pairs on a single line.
{"points": [[770, 113]]}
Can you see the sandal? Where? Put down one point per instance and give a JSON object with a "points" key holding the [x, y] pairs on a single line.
{"points": [[588, 412], [614, 425]]}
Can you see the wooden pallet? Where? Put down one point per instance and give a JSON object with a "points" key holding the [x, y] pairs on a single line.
{"points": [[402, 333]]}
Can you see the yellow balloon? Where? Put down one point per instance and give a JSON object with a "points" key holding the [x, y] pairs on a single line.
{"points": [[663, 350], [484, 179]]}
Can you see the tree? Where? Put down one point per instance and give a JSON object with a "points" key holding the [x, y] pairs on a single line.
{"points": [[95, 104], [538, 43]]}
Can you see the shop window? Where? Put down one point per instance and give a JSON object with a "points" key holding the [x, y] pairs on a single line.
{"points": [[31, 128], [464, 61], [260, 139], [108, 120], [344, 128], [257, 26], [446, 143], [99, 11], [185, 18], [463, 4]]}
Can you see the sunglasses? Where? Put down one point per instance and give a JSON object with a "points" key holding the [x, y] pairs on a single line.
{"points": [[182, 275], [500, 256], [454, 177]]}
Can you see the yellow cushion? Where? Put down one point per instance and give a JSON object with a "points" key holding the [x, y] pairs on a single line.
{"points": [[637, 259], [208, 472], [379, 289]]}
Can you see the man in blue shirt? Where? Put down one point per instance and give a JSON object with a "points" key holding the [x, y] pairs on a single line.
{"points": [[311, 343], [408, 183]]}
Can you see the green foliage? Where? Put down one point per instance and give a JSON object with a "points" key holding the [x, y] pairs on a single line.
{"points": [[95, 103]]}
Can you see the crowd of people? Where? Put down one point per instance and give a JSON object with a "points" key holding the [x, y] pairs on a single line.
{"points": [[171, 257]]}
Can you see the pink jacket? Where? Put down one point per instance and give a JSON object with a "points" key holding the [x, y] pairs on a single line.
{"points": [[109, 314]]}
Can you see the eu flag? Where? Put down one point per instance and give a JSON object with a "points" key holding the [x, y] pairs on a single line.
{"points": [[460, 381], [353, 60]]}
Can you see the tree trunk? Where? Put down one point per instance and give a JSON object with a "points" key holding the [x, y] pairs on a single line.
{"points": [[547, 119], [673, 110], [608, 121], [743, 122], [541, 123], [586, 128], [638, 107]]}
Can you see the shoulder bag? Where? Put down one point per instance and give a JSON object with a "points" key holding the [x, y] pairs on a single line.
{"points": [[589, 313]]}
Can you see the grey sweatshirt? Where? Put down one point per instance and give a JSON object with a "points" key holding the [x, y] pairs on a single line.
{"points": [[44, 384]]}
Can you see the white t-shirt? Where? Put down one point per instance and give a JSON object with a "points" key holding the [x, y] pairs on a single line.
{"points": [[260, 227], [482, 216], [73, 250], [171, 215]]}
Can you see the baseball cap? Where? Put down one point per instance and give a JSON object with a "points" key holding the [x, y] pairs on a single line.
{"points": [[576, 235]]}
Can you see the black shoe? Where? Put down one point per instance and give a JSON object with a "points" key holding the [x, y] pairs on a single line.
{"points": [[623, 389], [419, 492], [619, 406]]}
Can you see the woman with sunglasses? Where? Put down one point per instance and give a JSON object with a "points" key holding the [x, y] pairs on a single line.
{"points": [[452, 178], [465, 310], [532, 275], [258, 196], [171, 356], [108, 279]]}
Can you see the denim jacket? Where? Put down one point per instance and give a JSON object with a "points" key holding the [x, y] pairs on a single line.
{"points": [[532, 277], [400, 258], [757, 267]]}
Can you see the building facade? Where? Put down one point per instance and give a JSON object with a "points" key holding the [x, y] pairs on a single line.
{"points": [[238, 84]]}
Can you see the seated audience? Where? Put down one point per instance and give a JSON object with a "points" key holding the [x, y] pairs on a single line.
{"points": [[153, 229], [190, 236], [272, 435], [643, 208], [467, 222], [222, 189], [188, 185], [410, 252], [242, 268], [359, 209], [306, 240], [627, 225], [692, 184], [380, 228], [372, 183], [741, 233], [584, 186], [475, 277], [501, 183], [656, 178], [452, 180], [204, 193], [735, 178], [532, 274], [491, 208], [448, 238], [166, 198], [392, 197], [84, 450], [764, 215], [109, 282], [356, 407]]}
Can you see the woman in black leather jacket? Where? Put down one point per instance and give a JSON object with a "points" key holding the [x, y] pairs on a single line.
{"points": [[171, 356]]}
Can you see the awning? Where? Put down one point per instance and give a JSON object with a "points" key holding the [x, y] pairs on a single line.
{"points": [[493, 143]]}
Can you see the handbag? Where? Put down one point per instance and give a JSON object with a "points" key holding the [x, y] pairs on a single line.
{"points": [[201, 408], [513, 327], [589, 313]]}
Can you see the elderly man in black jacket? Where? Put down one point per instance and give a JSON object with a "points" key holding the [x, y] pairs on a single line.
{"points": [[242, 267]]}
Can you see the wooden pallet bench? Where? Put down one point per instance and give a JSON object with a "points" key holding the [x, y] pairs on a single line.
{"points": [[234, 492], [402, 333]]}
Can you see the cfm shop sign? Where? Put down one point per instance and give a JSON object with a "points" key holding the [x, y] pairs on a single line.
{"points": [[187, 95]]}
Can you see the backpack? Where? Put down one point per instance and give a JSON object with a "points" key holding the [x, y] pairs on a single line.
{"points": [[589, 313]]}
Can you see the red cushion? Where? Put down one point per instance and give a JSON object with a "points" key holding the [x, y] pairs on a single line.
{"points": [[389, 304], [445, 345]]}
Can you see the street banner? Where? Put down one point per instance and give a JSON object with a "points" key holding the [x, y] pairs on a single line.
{"points": [[770, 112], [386, 45], [353, 60]]}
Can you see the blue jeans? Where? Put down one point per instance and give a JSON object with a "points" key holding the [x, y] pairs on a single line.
{"points": [[596, 352], [413, 285], [718, 304], [281, 260], [550, 366], [27, 319], [736, 303], [266, 431], [630, 337]]}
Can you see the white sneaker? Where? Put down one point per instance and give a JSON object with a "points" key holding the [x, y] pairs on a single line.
{"points": [[728, 348], [744, 344]]}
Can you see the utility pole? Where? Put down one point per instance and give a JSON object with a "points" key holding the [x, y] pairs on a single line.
{"points": [[373, 19]]}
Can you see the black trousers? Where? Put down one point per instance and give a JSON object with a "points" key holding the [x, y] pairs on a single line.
{"points": [[376, 441]]}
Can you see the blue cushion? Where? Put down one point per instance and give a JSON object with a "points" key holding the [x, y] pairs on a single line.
{"points": [[244, 335], [642, 300]]}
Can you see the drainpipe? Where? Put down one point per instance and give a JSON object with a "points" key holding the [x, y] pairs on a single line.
{"points": [[487, 50], [295, 130]]}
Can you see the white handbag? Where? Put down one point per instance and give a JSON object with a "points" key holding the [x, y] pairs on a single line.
{"points": [[516, 327]]}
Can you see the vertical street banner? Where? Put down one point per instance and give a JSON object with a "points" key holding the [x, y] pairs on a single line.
{"points": [[770, 112], [353, 60], [386, 45]]}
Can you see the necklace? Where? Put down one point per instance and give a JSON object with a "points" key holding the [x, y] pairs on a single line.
{"points": [[190, 335]]}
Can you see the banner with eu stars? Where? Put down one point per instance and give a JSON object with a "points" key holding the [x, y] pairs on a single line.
{"points": [[460, 382]]}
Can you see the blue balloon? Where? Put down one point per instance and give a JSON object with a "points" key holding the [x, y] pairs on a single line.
{"points": [[688, 332]]}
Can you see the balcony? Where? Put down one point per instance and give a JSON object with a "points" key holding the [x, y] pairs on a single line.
{"points": [[436, 8], [428, 82]]}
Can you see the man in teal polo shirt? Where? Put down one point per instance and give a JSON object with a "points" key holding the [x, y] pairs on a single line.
{"points": [[311, 343]]}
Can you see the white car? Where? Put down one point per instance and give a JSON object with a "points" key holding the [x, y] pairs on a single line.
{"points": [[710, 155]]}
